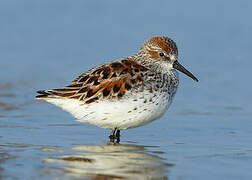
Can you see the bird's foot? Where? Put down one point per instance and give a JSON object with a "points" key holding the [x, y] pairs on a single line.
{"points": [[115, 135]]}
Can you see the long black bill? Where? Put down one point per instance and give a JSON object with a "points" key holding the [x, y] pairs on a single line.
{"points": [[179, 67]]}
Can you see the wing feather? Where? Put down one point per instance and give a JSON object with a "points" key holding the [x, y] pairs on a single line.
{"points": [[106, 81]]}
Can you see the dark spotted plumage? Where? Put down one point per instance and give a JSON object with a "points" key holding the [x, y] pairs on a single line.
{"points": [[127, 86], [116, 88], [107, 81], [105, 92], [83, 79]]}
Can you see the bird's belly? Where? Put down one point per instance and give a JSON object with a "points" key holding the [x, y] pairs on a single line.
{"points": [[130, 112]]}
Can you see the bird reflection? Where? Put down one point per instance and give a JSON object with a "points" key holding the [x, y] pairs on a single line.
{"points": [[112, 161]]}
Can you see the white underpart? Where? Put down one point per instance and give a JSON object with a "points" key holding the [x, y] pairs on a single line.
{"points": [[129, 112]]}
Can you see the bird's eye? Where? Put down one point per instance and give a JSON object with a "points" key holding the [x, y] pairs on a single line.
{"points": [[161, 54]]}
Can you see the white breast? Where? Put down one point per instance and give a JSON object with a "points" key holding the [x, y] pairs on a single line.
{"points": [[134, 111]]}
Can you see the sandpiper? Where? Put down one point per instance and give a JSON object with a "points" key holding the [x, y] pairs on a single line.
{"points": [[125, 93]]}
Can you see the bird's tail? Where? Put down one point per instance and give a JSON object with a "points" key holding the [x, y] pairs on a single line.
{"points": [[55, 93], [43, 94]]}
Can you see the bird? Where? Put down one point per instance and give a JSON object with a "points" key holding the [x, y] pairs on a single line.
{"points": [[124, 93]]}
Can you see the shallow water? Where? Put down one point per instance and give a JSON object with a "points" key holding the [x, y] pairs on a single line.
{"points": [[206, 134]]}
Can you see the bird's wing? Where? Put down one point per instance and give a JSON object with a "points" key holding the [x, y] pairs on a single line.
{"points": [[110, 80]]}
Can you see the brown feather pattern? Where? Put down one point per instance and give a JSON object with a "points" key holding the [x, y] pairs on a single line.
{"points": [[107, 81]]}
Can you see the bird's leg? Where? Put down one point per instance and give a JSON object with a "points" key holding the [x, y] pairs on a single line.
{"points": [[117, 136], [112, 135]]}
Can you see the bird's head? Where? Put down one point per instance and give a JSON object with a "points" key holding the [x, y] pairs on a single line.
{"points": [[161, 48]]}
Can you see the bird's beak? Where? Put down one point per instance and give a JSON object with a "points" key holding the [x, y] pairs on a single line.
{"points": [[179, 67]]}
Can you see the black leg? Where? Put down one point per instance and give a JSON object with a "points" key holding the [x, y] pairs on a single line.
{"points": [[117, 136], [112, 135]]}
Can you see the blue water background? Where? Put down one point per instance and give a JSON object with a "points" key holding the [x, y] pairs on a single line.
{"points": [[206, 133]]}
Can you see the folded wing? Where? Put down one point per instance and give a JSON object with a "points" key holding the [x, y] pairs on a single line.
{"points": [[109, 81]]}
